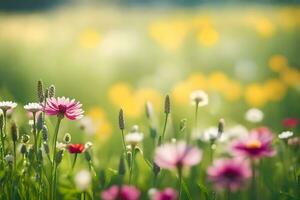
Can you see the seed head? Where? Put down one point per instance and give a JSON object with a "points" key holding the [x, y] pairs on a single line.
{"points": [[167, 104], [51, 91], [45, 133], [40, 91], [121, 120], [14, 132]]}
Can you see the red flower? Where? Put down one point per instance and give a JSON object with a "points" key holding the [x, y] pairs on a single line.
{"points": [[290, 122], [76, 148]]}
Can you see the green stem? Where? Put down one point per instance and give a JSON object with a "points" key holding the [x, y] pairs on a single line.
{"points": [[2, 146], [165, 126], [132, 165], [228, 194], [253, 183], [15, 156], [180, 182], [74, 161], [35, 135]]}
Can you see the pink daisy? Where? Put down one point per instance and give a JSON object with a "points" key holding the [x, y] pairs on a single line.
{"points": [[229, 174], [62, 106], [124, 192], [177, 155], [258, 144]]}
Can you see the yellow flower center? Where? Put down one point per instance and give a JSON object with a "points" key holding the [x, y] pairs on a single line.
{"points": [[254, 144]]}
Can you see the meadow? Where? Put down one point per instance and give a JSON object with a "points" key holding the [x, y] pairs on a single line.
{"points": [[101, 102]]}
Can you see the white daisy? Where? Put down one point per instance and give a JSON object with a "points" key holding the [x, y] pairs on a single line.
{"points": [[254, 115], [33, 107], [199, 97], [83, 180], [6, 105], [285, 135]]}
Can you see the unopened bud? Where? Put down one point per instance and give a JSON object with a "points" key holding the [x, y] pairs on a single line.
{"points": [[46, 147], [121, 120], [45, 133], [182, 125], [23, 149], [167, 104], [51, 91], [59, 156], [9, 159], [40, 91], [221, 127], [40, 122], [67, 138], [14, 132]]}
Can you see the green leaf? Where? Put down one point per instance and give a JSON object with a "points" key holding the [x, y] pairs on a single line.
{"points": [[204, 190], [186, 190]]}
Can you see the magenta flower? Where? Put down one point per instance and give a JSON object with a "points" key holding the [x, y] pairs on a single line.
{"points": [[256, 145], [166, 194], [62, 106], [177, 155], [229, 174], [124, 192]]}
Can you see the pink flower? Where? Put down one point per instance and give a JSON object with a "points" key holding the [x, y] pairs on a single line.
{"points": [[229, 174], [62, 106], [177, 155], [290, 122], [124, 192], [166, 194], [256, 145]]}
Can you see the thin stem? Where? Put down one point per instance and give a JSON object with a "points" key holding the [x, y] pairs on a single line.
{"points": [[55, 137], [165, 126], [35, 135], [2, 146], [228, 194], [131, 165], [74, 161], [180, 182], [253, 183], [15, 155]]}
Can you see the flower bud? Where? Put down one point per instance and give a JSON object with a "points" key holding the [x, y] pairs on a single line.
{"points": [[121, 120], [51, 91], [59, 156], [23, 149], [122, 168], [67, 138], [46, 93], [45, 133], [46, 147], [14, 132], [40, 122], [40, 91], [9, 159]]}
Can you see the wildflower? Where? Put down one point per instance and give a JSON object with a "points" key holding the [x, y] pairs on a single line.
{"points": [[285, 135], [177, 155], [33, 107], [134, 137], [62, 106], [7, 105], [88, 145], [254, 115], [290, 122], [166, 194], [76, 148], [230, 174], [124, 192], [83, 180], [256, 145], [199, 97]]}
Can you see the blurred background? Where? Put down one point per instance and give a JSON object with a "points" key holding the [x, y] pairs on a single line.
{"points": [[112, 54]]}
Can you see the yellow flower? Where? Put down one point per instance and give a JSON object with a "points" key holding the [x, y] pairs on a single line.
{"points": [[291, 77], [169, 34], [149, 94], [275, 89], [181, 93], [197, 81], [278, 63], [255, 95], [89, 38], [288, 18], [218, 81], [101, 123], [208, 36], [119, 93]]}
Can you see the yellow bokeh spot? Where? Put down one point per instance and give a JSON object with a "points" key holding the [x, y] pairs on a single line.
{"points": [[208, 36], [291, 77], [197, 81], [232, 91], [181, 93], [265, 27], [89, 38], [218, 81], [275, 89], [201, 22], [101, 123], [255, 95], [169, 34], [278, 63]]}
